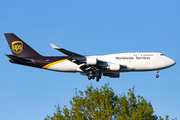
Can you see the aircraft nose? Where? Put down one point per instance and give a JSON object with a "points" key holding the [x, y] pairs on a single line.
{"points": [[170, 62], [173, 62]]}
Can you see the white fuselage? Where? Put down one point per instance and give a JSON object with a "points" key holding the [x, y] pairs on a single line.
{"points": [[92, 66], [133, 62]]}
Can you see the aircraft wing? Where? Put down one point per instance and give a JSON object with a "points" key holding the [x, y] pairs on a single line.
{"points": [[82, 60], [69, 53]]}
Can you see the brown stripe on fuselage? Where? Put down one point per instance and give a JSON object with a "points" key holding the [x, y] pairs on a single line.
{"points": [[40, 62], [53, 63]]}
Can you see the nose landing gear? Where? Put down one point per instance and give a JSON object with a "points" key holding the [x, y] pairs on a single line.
{"points": [[157, 76]]}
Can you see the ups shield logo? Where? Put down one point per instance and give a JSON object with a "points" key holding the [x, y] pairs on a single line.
{"points": [[17, 46]]}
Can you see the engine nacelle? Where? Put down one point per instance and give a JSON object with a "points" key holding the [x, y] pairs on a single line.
{"points": [[112, 75], [114, 67], [91, 61]]}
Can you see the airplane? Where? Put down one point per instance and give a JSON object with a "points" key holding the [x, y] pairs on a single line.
{"points": [[92, 66]]}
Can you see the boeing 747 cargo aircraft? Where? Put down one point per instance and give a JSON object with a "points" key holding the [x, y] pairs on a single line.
{"points": [[92, 66]]}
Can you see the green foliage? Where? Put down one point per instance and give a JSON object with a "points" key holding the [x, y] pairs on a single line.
{"points": [[103, 104]]}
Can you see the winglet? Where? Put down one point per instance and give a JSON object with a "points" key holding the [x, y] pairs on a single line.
{"points": [[54, 46]]}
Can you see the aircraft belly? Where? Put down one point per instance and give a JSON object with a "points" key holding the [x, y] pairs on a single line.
{"points": [[149, 66], [142, 67], [65, 66], [139, 66], [158, 65]]}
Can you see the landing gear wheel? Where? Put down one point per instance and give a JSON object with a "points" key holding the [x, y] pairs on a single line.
{"points": [[98, 77], [89, 77], [92, 75], [157, 76]]}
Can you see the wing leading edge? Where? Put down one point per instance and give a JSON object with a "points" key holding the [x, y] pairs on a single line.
{"points": [[77, 58], [69, 53]]}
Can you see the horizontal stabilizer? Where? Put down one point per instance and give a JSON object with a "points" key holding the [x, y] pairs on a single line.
{"points": [[18, 59]]}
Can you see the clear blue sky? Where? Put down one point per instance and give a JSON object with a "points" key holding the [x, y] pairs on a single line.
{"points": [[88, 27]]}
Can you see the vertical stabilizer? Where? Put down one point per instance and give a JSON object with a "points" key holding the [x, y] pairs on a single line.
{"points": [[18, 47]]}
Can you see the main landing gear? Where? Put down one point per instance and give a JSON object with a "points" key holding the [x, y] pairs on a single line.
{"points": [[157, 76], [92, 75]]}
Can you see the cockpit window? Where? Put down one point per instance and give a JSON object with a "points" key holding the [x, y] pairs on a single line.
{"points": [[162, 55]]}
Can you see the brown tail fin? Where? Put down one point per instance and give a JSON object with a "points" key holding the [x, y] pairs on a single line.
{"points": [[20, 48]]}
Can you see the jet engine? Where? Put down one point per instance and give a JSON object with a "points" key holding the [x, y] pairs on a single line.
{"points": [[91, 61], [114, 67], [111, 75]]}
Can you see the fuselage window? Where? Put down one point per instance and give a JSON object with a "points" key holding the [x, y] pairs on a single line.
{"points": [[162, 55]]}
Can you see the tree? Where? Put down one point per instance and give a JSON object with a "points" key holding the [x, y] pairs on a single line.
{"points": [[104, 104]]}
